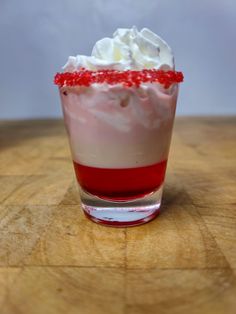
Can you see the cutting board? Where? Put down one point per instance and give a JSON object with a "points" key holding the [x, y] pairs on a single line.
{"points": [[53, 260]]}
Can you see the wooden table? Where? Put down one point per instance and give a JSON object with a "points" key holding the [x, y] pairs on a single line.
{"points": [[54, 260]]}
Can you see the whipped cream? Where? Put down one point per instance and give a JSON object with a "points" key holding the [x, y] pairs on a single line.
{"points": [[128, 49], [111, 126]]}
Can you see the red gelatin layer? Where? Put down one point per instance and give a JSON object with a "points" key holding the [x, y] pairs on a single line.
{"points": [[121, 184]]}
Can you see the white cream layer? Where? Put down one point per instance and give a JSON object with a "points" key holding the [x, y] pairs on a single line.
{"points": [[117, 127]]}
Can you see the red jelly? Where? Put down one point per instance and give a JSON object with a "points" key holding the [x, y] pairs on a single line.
{"points": [[121, 184]]}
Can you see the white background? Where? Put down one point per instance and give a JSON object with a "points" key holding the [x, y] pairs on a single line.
{"points": [[36, 37]]}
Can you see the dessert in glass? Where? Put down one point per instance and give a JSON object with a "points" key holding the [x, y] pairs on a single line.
{"points": [[119, 107]]}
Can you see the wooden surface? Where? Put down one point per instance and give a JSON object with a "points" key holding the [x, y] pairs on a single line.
{"points": [[53, 260]]}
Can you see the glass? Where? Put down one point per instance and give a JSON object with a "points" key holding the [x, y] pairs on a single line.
{"points": [[119, 139]]}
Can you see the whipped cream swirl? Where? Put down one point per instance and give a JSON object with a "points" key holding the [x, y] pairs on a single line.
{"points": [[128, 49]]}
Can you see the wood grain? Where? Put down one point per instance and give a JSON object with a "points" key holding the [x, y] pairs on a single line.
{"points": [[64, 290], [181, 291], [53, 260]]}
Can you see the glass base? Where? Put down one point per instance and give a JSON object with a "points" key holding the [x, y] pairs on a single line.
{"points": [[121, 214]]}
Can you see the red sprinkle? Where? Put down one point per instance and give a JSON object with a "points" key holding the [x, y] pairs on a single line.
{"points": [[127, 78]]}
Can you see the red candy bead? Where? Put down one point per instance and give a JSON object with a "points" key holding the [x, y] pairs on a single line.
{"points": [[126, 78]]}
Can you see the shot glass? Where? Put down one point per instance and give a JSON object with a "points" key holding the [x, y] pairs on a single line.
{"points": [[119, 138]]}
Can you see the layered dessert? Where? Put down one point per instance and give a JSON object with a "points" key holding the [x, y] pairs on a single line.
{"points": [[119, 107]]}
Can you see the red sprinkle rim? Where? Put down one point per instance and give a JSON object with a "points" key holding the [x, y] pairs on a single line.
{"points": [[126, 78]]}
